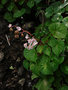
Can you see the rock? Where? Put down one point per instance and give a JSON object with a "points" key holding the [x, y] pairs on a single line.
{"points": [[21, 81], [1, 56]]}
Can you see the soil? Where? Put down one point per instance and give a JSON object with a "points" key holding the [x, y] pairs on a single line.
{"points": [[13, 76]]}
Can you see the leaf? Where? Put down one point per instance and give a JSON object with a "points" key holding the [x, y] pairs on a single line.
{"points": [[52, 42], [35, 68], [4, 1], [64, 88], [8, 16], [39, 49], [52, 9], [26, 64], [62, 6], [58, 48], [57, 17], [64, 69], [58, 30], [30, 55], [21, 2], [11, 6], [42, 84], [19, 13], [54, 66], [47, 50], [45, 84], [49, 11], [45, 65], [30, 3], [66, 8], [65, 21], [33, 76], [37, 1], [1, 6], [58, 60]]}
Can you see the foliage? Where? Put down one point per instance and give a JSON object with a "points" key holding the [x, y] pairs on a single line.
{"points": [[46, 60]]}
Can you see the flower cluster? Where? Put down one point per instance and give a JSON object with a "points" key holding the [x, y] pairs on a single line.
{"points": [[31, 42], [17, 27]]}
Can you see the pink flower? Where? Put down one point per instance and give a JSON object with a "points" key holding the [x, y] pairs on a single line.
{"points": [[29, 47], [25, 45], [10, 25], [18, 28], [27, 36], [34, 43], [29, 41]]}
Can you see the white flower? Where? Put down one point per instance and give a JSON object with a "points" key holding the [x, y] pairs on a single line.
{"points": [[18, 28], [27, 36], [10, 25]]}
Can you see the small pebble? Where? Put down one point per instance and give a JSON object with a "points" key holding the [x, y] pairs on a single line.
{"points": [[21, 81]]}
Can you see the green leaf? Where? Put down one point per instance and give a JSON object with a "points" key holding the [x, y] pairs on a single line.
{"points": [[62, 6], [30, 3], [19, 13], [8, 16], [37, 1], [65, 21], [45, 38], [1, 6], [30, 55], [64, 88], [21, 2], [35, 68], [11, 6], [58, 30], [66, 8], [49, 11], [47, 50], [57, 17], [54, 66], [45, 84], [42, 85], [33, 76], [64, 69], [58, 48], [39, 49], [58, 60], [45, 65], [52, 42], [4, 1], [26, 64]]}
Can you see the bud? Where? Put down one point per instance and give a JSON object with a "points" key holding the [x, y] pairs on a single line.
{"points": [[16, 36], [16, 32], [22, 35], [11, 29]]}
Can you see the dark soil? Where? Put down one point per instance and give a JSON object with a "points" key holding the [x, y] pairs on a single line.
{"points": [[12, 74]]}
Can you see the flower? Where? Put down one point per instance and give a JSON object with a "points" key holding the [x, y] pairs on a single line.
{"points": [[31, 43], [25, 45], [27, 36], [18, 28], [10, 25], [29, 47]]}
